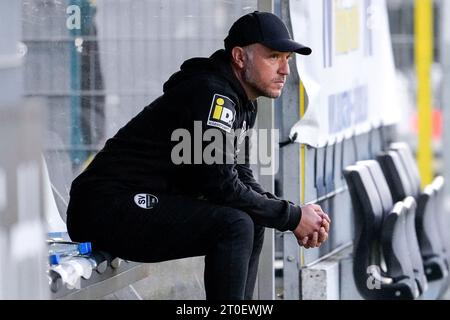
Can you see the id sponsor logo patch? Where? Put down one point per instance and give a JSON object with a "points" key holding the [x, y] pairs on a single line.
{"points": [[222, 113], [145, 200]]}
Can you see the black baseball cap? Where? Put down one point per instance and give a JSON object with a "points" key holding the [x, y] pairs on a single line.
{"points": [[265, 28]]}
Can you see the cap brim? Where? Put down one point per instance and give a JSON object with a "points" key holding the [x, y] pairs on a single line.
{"points": [[287, 45]]}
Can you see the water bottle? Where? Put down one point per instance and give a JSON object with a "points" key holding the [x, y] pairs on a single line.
{"points": [[60, 249], [57, 236]]}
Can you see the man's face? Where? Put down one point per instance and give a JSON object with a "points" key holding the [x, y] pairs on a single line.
{"points": [[265, 70]]}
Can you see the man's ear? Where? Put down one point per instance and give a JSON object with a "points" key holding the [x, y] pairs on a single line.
{"points": [[238, 57]]}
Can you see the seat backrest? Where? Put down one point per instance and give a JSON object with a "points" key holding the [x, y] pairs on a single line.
{"points": [[395, 247], [427, 226], [430, 242], [365, 198], [380, 184], [395, 174], [407, 157], [443, 216]]}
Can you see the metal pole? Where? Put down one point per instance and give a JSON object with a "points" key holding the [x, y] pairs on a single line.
{"points": [[292, 163], [266, 271]]}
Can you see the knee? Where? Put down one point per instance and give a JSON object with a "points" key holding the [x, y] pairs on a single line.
{"points": [[241, 220], [240, 225]]}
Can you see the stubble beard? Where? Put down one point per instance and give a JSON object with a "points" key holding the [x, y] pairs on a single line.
{"points": [[259, 89], [250, 79]]}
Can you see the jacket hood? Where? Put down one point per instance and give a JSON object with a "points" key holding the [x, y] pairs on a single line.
{"points": [[217, 64]]}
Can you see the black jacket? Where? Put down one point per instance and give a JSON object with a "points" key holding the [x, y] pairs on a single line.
{"points": [[138, 157]]}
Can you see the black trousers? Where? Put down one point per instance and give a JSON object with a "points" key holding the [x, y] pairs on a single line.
{"points": [[176, 227]]}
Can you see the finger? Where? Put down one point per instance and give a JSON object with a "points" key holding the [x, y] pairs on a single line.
{"points": [[325, 238], [320, 213], [308, 244], [322, 234], [302, 242], [315, 238], [305, 240], [324, 216], [313, 241], [326, 225]]}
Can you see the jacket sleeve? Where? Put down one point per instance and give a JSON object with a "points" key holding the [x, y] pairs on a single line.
{"points": [[220, 182]]}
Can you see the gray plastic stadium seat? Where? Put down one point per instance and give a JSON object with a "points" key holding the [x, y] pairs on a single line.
{"points": [[409, 216], [413, 243], [377, 241], [443, 217], [403, 182], [431, 245], [380, 182], [444, 223], [435, 202], [396, 175], [394, 244]]}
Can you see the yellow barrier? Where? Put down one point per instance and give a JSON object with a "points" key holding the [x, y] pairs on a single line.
{"points": [[423, 25]]}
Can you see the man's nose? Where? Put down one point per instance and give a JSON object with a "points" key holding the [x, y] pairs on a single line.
{"points": [[284, 67]]}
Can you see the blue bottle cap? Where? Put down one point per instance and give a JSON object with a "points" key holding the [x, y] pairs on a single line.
{"points": [[84, 247], [54, 259]]}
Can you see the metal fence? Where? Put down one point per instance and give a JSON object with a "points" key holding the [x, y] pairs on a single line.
{"points": [[98, 63]]}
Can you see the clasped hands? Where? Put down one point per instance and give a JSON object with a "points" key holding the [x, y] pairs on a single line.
{"points": [[313, 228]]}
